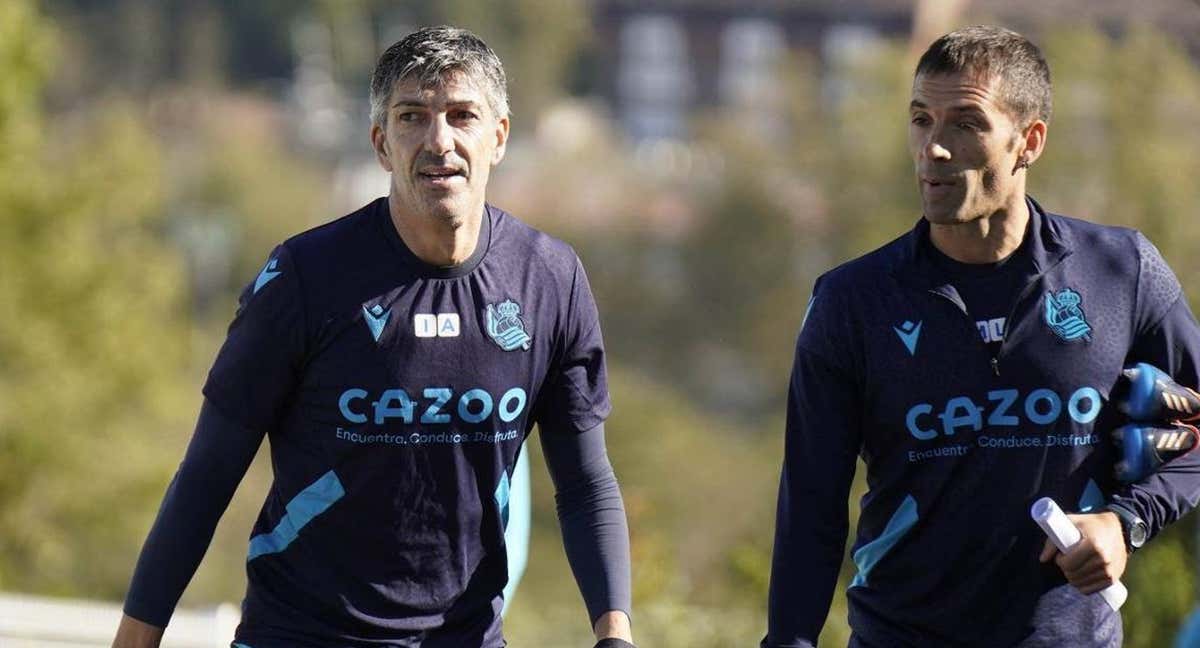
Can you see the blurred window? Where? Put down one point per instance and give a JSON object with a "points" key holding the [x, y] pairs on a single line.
{"points": [[752, 52], [654, 81], [847, 50]]}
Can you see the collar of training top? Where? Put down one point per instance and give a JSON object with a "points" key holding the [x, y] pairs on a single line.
{"points": [[1048, 245]]}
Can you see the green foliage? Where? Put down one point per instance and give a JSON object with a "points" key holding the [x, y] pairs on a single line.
{"points": [[1124, 146], [1161, 582], [91, 332], [26, 50], [537, 40], [242, 179], [853, 144]]}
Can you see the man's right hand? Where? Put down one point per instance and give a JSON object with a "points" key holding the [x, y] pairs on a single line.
{"points": [[136, 634], [1099, 558]]}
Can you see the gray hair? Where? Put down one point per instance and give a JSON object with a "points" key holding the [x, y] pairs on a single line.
{"points": [[430, 55], [1003, 54]]}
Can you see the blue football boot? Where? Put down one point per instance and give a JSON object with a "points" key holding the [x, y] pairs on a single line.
{"points": [[1146, 393], [1143, 448]]}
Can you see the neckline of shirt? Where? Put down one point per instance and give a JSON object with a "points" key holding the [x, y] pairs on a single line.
{"points": [[956, 270], [411, 260]]}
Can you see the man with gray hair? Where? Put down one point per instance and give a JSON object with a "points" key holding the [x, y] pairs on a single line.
{"points": [[967, 363], [398, 358]]}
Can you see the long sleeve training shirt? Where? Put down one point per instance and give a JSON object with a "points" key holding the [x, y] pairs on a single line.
{"points": [[960, 435]]}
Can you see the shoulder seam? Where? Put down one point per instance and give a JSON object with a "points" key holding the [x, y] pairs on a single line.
{"points": [[832, 366], [1137, 286], [300, 297]]}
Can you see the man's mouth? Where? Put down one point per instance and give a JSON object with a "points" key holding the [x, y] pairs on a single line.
{"points": [[441, 174]]}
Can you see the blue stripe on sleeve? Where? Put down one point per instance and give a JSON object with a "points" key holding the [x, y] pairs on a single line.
{"points": [[306, 505], [871, 553]]}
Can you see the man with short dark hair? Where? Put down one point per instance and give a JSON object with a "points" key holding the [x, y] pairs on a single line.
{"points": [[397, 358], [967, 363]]}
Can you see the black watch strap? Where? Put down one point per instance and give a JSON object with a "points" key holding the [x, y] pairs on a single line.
{"points": [[1132, 527]]}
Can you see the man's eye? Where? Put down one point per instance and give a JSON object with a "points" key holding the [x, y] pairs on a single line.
{"points": [[969, 126], [920, 120], [464, 115], [407, 116]]}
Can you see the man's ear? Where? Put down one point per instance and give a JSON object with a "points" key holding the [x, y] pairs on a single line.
{"points": [[501, 140], [1034, 142], [379, 143]]}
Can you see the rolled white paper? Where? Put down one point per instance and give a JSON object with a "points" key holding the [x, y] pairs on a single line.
{"points": [[1064, 535]]}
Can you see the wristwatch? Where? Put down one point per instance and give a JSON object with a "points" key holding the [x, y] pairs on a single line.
{"points": [[1132, 527]]}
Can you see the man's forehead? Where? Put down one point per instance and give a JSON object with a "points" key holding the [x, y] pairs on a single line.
{"points": [[453, 86], [963, 89]]}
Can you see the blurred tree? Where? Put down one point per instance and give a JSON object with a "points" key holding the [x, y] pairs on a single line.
{"points": [[92, 333], [538, 40], [741, 306], [1125, 141], [237, 175]]}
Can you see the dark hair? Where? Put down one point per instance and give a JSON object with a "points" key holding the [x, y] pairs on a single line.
{"points": [[429, 55], [1001, 54]]}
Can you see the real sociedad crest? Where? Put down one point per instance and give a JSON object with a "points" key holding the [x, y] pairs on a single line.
{"points": [[1065, 317], [505, 327]]}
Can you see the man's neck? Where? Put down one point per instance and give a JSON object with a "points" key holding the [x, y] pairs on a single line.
{"points": [[434, 240], [987, 239]]}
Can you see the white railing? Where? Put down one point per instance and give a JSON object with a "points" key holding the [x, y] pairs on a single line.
{"points": [[34, 621]]}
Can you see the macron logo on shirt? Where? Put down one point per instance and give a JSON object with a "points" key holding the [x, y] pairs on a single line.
{"points": [[268, 273], [909, 333], [376, 318]]}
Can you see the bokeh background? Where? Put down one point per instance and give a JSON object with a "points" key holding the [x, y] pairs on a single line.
{"points": [[707, 158]]}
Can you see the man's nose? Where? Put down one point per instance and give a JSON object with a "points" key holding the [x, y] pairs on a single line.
{"points": [[934, 150], [439, 139]]}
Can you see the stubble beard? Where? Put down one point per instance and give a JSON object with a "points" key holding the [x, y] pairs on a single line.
{"points": [[443, 210], [979, 200], [449, 217]]}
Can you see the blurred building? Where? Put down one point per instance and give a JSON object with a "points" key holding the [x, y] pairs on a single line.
{"points": [[662, 61]]}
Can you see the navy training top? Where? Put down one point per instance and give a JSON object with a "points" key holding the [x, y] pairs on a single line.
{"points": [[396, 396], [960, 436]]}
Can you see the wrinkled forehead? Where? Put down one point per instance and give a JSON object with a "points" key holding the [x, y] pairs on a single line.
{"points": [[956, 89], [970, 77], [453, 85]]}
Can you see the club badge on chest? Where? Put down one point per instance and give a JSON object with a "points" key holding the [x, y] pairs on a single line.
{"points": [[505, 327], [1064, 315]]}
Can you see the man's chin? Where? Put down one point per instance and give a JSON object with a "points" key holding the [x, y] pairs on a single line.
{"points": [[945, 216], [452, 209], [449, 213]]}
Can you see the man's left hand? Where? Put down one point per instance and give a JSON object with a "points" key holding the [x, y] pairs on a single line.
{"points": [[1098, 559], [613, 624]]}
